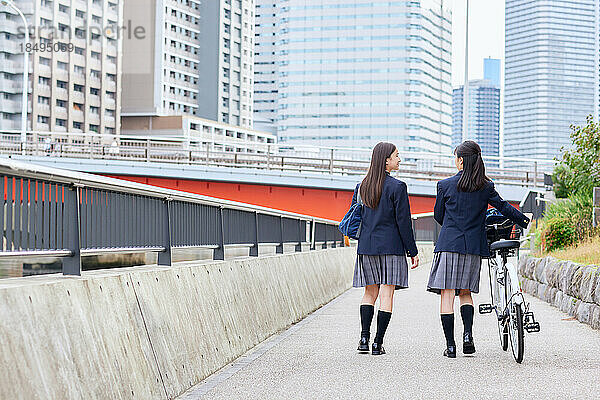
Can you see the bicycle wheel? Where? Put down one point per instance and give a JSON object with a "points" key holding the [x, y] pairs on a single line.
{"points": [[515, 324], [496, 294]]}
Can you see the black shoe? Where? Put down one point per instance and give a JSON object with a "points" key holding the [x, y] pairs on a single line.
{"points": [[468, 345], [363, 345], [450, 352], [377, 349]]}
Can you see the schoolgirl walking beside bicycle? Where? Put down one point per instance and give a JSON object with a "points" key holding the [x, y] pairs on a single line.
{"points": [[460, 207]]}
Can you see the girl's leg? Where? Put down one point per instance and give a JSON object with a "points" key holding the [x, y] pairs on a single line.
{"points": [[447, 316], [386, 301], [467, 311], [367, 310]]}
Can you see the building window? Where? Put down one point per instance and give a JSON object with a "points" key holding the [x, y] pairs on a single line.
{"points": [[61, 84], [77, 125], [61, 122], [44, 100], [42, 119], [61, 103]]}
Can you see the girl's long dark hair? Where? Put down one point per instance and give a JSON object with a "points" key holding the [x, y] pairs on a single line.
{"points": [[372, 185], [473, 177]]}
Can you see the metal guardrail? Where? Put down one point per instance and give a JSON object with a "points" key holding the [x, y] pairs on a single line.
{"points": [[52, 212], [425, 228], [224, 151]]}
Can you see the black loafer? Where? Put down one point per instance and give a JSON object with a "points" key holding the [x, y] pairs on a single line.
{"points": [[377, 349], [363, 345], [450, 352], [468, 345]]}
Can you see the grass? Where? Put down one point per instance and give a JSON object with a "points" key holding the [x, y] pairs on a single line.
{"points": [[586, 253]]}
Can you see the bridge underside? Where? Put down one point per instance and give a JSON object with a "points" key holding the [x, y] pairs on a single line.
{"points": [[317, 202]]}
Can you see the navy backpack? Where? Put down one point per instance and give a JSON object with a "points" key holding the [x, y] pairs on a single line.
{"points": [[350, 224]]}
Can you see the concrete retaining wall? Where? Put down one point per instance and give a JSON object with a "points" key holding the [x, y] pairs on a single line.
{"points": [[153, 332], [572, 287]]}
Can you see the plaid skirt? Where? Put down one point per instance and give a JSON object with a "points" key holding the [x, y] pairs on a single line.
{"points": [[388, 269], [454, 271]]}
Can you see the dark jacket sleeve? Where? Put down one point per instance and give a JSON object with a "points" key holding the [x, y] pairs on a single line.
{"points": [[440, 207], [404, 221], [506, 209]]}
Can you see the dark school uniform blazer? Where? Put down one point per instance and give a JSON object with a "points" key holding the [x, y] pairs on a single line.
{"points": [[462, 216], [388, 228]]}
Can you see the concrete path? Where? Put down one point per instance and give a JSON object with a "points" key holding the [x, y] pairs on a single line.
{"points": [[317, 358]]}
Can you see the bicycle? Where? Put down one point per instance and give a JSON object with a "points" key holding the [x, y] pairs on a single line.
{"points": [[512, 312]]}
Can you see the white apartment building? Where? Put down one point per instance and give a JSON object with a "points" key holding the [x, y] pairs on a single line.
{"points": [[356, 72], [551, 73], [75, 62], [196, 58]]}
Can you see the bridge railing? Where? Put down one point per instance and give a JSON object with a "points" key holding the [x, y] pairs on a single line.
{"points": [[57, 213], [259, 155], [425, 228]]}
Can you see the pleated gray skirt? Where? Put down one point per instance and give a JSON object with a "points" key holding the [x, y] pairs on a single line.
{"points": [[385, 269], [454, 271]]}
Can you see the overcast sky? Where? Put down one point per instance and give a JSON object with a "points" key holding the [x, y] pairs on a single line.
{"points": [[486, 36]]}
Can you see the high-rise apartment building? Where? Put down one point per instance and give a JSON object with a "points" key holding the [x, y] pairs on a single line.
{"points": [[484, 110], [75, 61], [484, 116], [357, 72], [551, 73], [196, 58], [491, 71]]}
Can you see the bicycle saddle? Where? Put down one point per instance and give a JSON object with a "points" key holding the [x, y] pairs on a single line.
{"points": [[505, 244]]}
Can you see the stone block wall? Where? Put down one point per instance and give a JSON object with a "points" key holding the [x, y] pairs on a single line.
{"points": [[571, 287]]}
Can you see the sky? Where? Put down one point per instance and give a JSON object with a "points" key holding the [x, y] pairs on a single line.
{"points": [[486, 37]]}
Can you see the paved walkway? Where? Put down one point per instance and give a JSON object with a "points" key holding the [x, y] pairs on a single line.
{"points": [[316, 359]]}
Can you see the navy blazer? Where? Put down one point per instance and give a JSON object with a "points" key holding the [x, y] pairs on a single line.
{"points": [[462, 216], [388, 228]]}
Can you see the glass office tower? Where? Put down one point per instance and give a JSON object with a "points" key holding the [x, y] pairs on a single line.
{"points": [[551, 73], [354, 73]]}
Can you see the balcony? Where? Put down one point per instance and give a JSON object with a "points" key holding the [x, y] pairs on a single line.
{"points": [[11, 46], [183, 53], [181, 67], [62, 93], [78, 97], [182, 22], [10, 86], [182, 83], [11, 107], [12, 67]]}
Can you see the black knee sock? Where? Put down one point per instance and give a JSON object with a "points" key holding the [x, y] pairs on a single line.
{"points": [[448, 325], [366, 316], [467, 311], [383, 319]]}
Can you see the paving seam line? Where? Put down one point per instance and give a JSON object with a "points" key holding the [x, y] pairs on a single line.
{"points": [[252, 355]]}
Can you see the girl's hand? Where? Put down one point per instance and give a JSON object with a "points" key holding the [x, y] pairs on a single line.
{"points": [[414, 261]]}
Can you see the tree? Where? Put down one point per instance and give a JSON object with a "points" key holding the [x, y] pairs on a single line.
{"points": [[578, 172]]}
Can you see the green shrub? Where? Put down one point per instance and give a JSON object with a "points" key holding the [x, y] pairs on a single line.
{"points": [[558, 233], [579, 168], [577, 209]]}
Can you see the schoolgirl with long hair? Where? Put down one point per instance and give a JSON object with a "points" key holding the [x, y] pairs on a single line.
{"points": [[386, 238], [460, 207]]}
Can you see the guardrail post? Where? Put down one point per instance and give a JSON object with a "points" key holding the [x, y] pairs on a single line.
{"points": [[219, 252], [279, 248], [72, 265], [331, 162], [299, 244], [147, 150], [313, 244], [596, 210], [268, 157], [254, 249], [334, 241], [165, 257], [324, 246], [535, 173], [207, 153]]}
